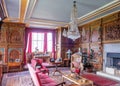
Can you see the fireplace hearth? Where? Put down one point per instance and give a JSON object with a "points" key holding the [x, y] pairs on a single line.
{"points": [[113, 60]]}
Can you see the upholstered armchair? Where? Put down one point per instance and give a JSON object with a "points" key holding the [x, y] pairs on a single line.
{"points": [[76, 62], [37, 65]]}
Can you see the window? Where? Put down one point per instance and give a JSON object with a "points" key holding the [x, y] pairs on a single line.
{"points": [[49, 42], [37, 41]]}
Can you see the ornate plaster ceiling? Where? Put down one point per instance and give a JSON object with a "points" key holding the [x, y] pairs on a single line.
{"points": [[56, 13]]}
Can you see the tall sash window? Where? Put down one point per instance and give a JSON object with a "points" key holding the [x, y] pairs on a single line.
{"points": [[42, 41]]}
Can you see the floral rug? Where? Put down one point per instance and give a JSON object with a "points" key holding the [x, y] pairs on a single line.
{"points": [[24, 78]]}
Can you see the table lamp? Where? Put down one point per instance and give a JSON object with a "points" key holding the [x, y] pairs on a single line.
{"points": [[69, 53]]}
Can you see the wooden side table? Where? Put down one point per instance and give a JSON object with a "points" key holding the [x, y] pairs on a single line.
{"points": [[66, 62], [56, 67]]}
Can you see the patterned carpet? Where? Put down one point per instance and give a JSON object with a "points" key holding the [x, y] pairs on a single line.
{"points": [[24, 78], [17, 79]]}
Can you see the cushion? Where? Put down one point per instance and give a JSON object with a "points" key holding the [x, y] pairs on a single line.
{"points": [[47, 80], [49, 84], [76, 64], [52, 60], [39, 61], [38, 65], [33, 63]]}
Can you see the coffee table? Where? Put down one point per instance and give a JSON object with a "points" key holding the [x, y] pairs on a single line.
{"points": [[79, 81]]}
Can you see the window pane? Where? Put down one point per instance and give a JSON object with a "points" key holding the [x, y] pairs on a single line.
{"points": [[37, 41], [40, 45], [34, 45], [49, 46], [49, 36], [40, 36], [34, 36], [49, 42]]}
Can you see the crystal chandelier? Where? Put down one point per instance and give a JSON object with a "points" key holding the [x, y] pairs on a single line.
{"points": [[73, 32]]}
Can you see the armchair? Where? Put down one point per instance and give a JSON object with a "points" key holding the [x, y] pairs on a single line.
{"points": [[76, 62], [37, 65]]}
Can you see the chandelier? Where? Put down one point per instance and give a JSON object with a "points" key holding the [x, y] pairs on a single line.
{"points": [[73, 32]]}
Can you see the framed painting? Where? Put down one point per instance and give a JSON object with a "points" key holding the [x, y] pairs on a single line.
{"points": [[112, 31]]}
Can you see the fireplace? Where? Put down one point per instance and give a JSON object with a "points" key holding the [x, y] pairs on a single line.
{"points": [[113, 60]]}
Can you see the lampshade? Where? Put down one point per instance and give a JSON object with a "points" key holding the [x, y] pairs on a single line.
{"points": [[69, 51], [73, 32]]}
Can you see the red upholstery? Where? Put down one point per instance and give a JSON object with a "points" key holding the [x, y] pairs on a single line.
{"points": [[34, 76], [100, 81], [41, 79], [35, 62]]}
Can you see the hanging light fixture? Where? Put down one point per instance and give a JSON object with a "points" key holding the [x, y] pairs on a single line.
{"points": [[73, 32]]}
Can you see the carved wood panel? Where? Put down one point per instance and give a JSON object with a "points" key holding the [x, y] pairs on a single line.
{"points": [[3, 35], [12, 41], [15, 36], [15, 54], [85, 34], [112, 31], [2, 52], [95, 33], [85, 47], [96, 55]]}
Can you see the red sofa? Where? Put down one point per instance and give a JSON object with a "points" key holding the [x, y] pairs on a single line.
{"points": [[41, 79], [38, 66]]}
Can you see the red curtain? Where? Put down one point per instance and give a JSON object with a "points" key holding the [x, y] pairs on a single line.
{"points": [[28, 40], [29, 43]]}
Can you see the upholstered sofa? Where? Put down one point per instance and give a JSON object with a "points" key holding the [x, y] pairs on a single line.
{"points": [[41, 79]]}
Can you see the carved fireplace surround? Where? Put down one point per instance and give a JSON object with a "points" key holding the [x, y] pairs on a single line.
{"points": [[111, 61]]}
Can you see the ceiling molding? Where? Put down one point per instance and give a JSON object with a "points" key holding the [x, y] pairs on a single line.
{"points": [[27, 7], [2, 8], [99, 11], [43, 24], [81, 24], [45, 21], [11, 19], [23, 9], [35, 1], [5, 9], [32, 24]]}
